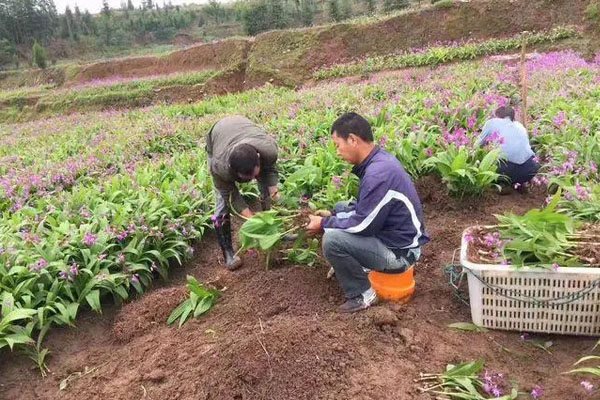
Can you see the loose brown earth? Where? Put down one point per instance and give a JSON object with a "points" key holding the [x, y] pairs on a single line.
{"points": [[276, 334]]}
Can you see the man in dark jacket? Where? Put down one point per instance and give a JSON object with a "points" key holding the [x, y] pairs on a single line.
{"points": [[239, 151], [383, 230]]}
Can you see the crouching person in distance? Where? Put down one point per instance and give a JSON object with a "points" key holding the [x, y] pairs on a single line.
{"points": [[383, 230], [520, 165], [239, 151]]}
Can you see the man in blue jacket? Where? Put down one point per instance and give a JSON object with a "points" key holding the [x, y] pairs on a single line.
{"points": [[383, 230]]}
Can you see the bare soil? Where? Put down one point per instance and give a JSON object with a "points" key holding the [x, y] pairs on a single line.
{"points": [[275, 334]]}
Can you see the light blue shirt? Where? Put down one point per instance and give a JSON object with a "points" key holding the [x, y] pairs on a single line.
{"points": [[513, 138]]}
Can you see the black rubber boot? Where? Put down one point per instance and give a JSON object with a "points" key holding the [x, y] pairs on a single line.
{"points": [[265, 201], [223, 229]]}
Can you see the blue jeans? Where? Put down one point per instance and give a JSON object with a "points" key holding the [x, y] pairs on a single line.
{"points": [[350, 254]]}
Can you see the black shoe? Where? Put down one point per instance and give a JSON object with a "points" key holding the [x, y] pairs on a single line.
{"points": [[360, 302], [223, 229]]}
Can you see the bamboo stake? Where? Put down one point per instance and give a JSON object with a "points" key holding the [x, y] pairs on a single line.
{"points": [[523, 85]]}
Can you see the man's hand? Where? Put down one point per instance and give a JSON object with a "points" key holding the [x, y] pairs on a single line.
{"points": [[314, 226], [323, 213], [246, 213], [274, 193]]}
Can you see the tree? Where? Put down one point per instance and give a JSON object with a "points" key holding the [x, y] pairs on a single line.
{"points": [[334, 10], [130, 6], [307, 12], [371, 6], [105, 8], [69, 22], [392, 5], [345, 9], [214, 10], [278, 18], [7, 52], [255, 18], [88, 23], [39, 55]]}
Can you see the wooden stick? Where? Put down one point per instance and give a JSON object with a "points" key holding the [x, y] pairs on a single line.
{"points": [[523, 85]]}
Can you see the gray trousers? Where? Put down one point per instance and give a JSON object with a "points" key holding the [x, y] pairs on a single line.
{"points": [[350, 254]]}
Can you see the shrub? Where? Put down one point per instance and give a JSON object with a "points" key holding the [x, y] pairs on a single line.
{"points": [[443, 3], [39, 55]]}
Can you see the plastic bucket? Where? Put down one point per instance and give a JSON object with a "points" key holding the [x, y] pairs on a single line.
{"points": [[393, 287]]}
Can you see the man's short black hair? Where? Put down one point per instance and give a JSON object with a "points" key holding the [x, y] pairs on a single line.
{"points": [[243, 159], [352, 123], [505, 111]]}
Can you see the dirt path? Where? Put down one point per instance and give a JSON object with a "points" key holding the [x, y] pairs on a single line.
{"points": [[276, 335]]}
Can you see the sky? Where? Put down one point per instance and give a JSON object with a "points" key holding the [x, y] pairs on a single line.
{"points": [[94, 6]]}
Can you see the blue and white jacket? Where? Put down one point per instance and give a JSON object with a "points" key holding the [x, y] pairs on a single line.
{"points": [[388, 206]]}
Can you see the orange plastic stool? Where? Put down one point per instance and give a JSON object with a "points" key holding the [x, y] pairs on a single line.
{"points": [[393, 287]]}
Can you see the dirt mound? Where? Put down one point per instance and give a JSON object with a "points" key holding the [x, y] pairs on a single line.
{"points": [[432, 191], [218, 55], [154, 308]]}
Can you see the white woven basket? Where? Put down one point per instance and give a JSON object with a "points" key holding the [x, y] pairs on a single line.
{"points": [[563, 301]]}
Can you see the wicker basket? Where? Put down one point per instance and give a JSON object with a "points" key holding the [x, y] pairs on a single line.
{"points": [[562, 301]]}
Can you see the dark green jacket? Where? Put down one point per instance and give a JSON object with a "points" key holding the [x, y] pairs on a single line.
{"points": [[221, 140]]}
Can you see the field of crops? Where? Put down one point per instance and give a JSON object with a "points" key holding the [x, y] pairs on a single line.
{"points": [[96, 206]]}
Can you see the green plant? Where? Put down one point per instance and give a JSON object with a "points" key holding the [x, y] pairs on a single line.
{"points": [[464, 381], [304, 251], [263, 232], [392, 5], [594, 371], [591, 11], [443, 3], [199, 302], [543, 236], [39, 55], [463, 172]]}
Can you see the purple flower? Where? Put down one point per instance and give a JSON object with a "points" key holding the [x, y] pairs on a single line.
{"points": [[39, 265], [90, 239], [582, 193], [555, 267], [121, 258], [524, 336], [492, 383], [587, 386], [383, 141], [74, 269], [429, 152], [560, 119], [472, 121], [251, 252], [469, 238], [135, 278], [337, 181], [63, 275], [495, 139], [537, 392]]}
